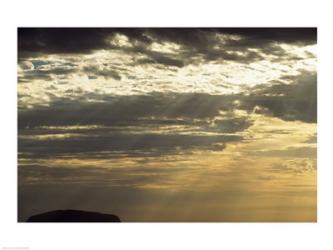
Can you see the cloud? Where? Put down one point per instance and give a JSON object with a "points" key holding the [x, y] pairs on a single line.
{"points": [[158, 122], [290, 152], [232, 125], [294, 101], [243, 45], [45, 70], [61, 40], [95, 71], [34, 75], [295, 167], [117, 142], [240, 44], [26, 65], [112, 110], [158, 58], [312, 139], [199, 37]]}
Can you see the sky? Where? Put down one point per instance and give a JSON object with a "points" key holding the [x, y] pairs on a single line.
{"points": [[168, 124]]}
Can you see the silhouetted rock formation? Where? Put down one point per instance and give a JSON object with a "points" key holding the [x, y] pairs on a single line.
{"points": [[73, 216]]}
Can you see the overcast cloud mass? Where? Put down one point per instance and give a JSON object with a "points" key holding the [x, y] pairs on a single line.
{"points": [[168, 124]]}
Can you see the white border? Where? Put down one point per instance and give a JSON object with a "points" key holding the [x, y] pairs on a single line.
{"points": [[158, 14]]}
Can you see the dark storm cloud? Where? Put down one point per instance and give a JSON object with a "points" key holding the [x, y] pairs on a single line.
{"points": [[44, 70], [45, 74], [127, 122], [34, 75], [232, 125], [95, 71], [194, 42], [163, 144], [294, 101], [159, 58], [61, 40], [71, 40], [205, 42], [236, 55], [201, 37], [78, 40], [265, 40], [113, 110]]}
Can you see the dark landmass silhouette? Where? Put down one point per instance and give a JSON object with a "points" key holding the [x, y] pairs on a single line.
{"points": [[73, 216]]}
